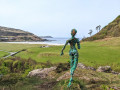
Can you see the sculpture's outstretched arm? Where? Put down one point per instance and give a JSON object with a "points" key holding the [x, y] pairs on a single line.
{"points": [[78, 43], [64, 47]]}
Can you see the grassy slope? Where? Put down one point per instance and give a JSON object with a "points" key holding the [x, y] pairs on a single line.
{"points": [[104, 52], [110, 30]]}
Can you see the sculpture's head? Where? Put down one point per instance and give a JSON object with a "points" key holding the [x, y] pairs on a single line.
{"points": [[73, 32]]}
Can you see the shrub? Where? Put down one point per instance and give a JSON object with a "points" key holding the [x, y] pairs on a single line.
{"points": [[8, 63], [4, 70], [17, 65]]}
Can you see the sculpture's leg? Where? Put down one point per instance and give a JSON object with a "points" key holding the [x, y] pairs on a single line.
{"points": [[75, 62], [71, 65], [71, 62]]}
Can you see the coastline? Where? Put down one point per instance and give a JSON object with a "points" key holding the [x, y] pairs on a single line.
{"points": [[56, 41], [45, 43]]}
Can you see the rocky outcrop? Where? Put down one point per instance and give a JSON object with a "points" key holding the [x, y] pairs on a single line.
{"points": [[82, 66], [42, 73], [94, 80], [104, 69], [45, 46], [64, 76]]}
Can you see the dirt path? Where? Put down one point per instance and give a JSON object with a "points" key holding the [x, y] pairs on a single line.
{"points": [[11, 53]]}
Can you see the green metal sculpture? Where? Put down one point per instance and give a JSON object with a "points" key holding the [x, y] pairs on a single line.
{"points": [[73, 53]]}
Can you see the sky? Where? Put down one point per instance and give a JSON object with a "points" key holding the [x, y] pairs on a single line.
{"points": [[57, 17]]}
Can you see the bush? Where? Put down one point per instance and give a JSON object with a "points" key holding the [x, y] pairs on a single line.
{"points": [[4, 70], [8, 63], [17, 65]]}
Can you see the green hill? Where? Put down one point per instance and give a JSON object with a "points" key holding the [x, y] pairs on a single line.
{"points": [[111, 30], [11, 34]]}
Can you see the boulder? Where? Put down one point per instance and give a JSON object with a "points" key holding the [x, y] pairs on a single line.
{"points": [[82, 66], [113, 72], [46, 46], [104, 69], [42, 73], [64, 76]]}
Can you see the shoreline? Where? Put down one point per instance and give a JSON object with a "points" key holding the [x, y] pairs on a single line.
{"points": [[45, 43]]}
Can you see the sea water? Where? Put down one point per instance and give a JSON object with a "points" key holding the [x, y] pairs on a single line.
{"points": [[51, 41]]}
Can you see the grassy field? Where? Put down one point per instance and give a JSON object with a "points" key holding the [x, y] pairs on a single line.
{"points": [[96, 53], [16, 47], [2, 54], [104, 52]]}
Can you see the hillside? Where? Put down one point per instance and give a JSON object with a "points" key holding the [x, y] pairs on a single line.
{"points": [[111, 30], [11, 34]]}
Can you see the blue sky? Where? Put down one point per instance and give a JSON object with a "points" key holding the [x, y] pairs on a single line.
{"points": [[57, 17]]}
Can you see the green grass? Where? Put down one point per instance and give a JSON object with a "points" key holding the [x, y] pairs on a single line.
{"points": [[2, 54], [91, 53], [44, 54], [16, 47], [96, 53]]}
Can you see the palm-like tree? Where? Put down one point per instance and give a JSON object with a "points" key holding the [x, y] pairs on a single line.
{"points": [[90, 32], [97, 28]]}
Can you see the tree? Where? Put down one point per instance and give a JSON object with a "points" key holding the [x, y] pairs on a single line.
{"points": [[99, 27], [90, 32]]}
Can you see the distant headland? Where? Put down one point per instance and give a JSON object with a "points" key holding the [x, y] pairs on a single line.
{"points": [[17, 35], [45, 36]]}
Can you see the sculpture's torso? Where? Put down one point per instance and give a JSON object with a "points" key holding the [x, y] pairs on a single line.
{"points": [[72, 42]]}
